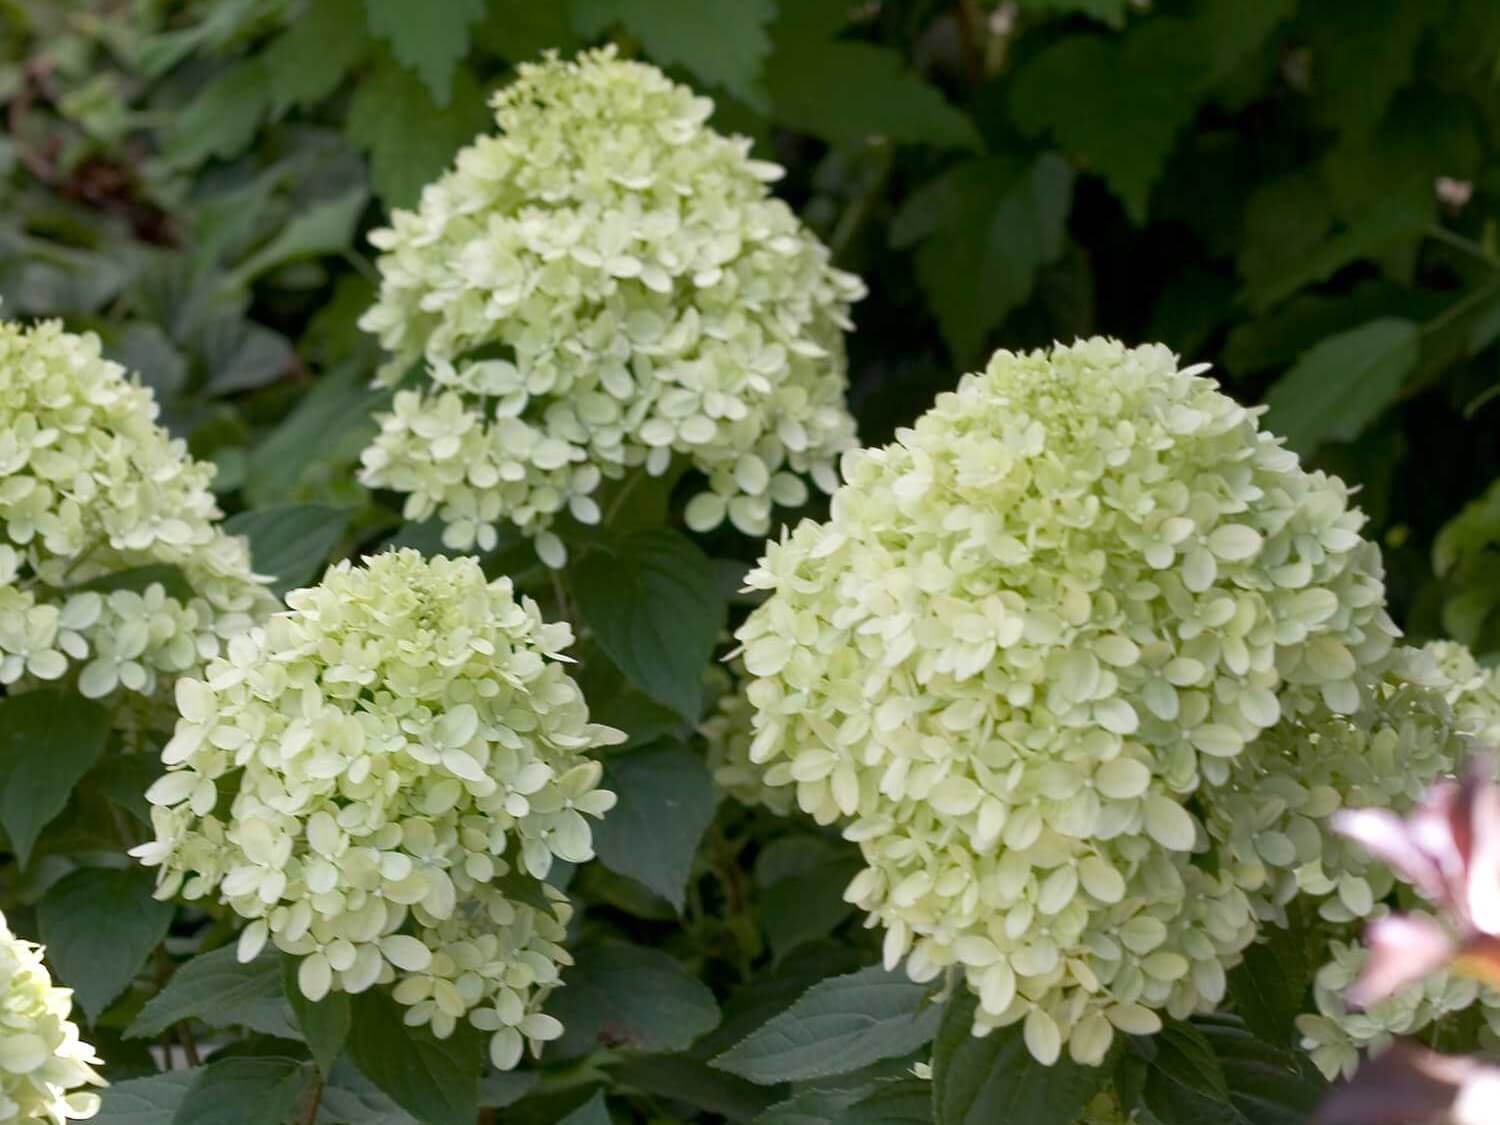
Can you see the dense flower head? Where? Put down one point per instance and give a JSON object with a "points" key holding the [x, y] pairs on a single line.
{"points": [[1472, 689], [43, 1062], [379, 780], [1058, 607], [112, 567], [606, 283], [727, 732]]}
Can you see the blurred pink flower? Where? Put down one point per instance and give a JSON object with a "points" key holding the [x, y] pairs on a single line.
{"points": [[1410, 1085]]}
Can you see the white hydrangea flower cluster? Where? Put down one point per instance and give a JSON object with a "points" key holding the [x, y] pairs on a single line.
{"points": [[1270, 822], [1055, 610], [413, 756], [90, 487], [1473, 690], [727, 731], [605, 284], [1415, 735], [43, 1062]]}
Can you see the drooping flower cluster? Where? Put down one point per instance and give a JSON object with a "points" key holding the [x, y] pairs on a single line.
{"points": [[1056, 609], [605, 284], [414, 755], [43, 1062], [111, 563]]}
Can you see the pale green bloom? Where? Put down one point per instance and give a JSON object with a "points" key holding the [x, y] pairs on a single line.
{"points": [[1056, 609], [42, 1059], [1474, 690], [91, 486], [607, 283], [727, 730], [414, 756]]}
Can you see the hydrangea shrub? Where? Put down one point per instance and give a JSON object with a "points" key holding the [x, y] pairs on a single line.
{"points": [[45, 1066], [1057, 609], [93, 493], [603, 285], [414, 756]]}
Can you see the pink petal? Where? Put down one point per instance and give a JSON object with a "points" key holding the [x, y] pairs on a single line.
{"points": [[1402, 949], [1387, 837]]}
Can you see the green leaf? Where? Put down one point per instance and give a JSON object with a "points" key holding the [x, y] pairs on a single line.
{"points": [[1183, 1082], [986, 226], [334, 420], [245, 1091], [290, 543], [1361, 55], [432, 39], [808, 905], [221, 119], [138, 578], [1111, 12], [221, 992], [240, 355], [500, 1088], [349, 1098], [520, 30], [836, 1026], [124, 778], [723, 42], [435, 1080], [324, 1024], [680, 1078], [666, 803], [410, 138], [654, 604], [1270, 987], [592, 1112], [632, 998], [1338, 387], [978, 1081], [1388, 222], [145, 1101], [99, 925], [848, 93], [49, 739], [319, 49], [1118, 103], [325, 228], [1267, 1085]]}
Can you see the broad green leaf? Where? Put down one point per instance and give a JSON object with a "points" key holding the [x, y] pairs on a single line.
{"points": [[99, 925], [49, 739], [653, 602], [325, 228], [986, 226], [435, 1080], [520, 30], [993, 1079], [808, 905], [245, 1091], [850, 93], [1360, 56], [500, 1088], [124, 778], [1338, 387], [908, 1102], [240, 355], [1267, 1085], [1364, 236], [221, 992], [349, 1098], [432, 39], [409, 137], [334, 420], [723, 42], [1183, 1083], [324, 1024], [592, 1112], [312, 57], [679, 1078], [145, 1101], [1271, 986], [632, 998], [140, 578], [666, 803], [290, 543], [221, 119], [836, 1026]]}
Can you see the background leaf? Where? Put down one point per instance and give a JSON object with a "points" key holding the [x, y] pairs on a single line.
{"points": [[49, 739], [435, 1080], [430, 38], [290, 543], [632, 998], [220, 991], [244, 1091], [99, 925]]}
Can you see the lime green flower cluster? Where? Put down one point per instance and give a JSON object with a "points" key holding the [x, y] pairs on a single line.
{"points": [[1059, 608], [42, 1059], [1411, 737], [414, 756], [605, 284], [94, 495], [727, 733]]}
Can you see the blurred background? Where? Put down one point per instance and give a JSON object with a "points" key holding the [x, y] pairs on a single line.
{"points": [[1302, 194]]}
